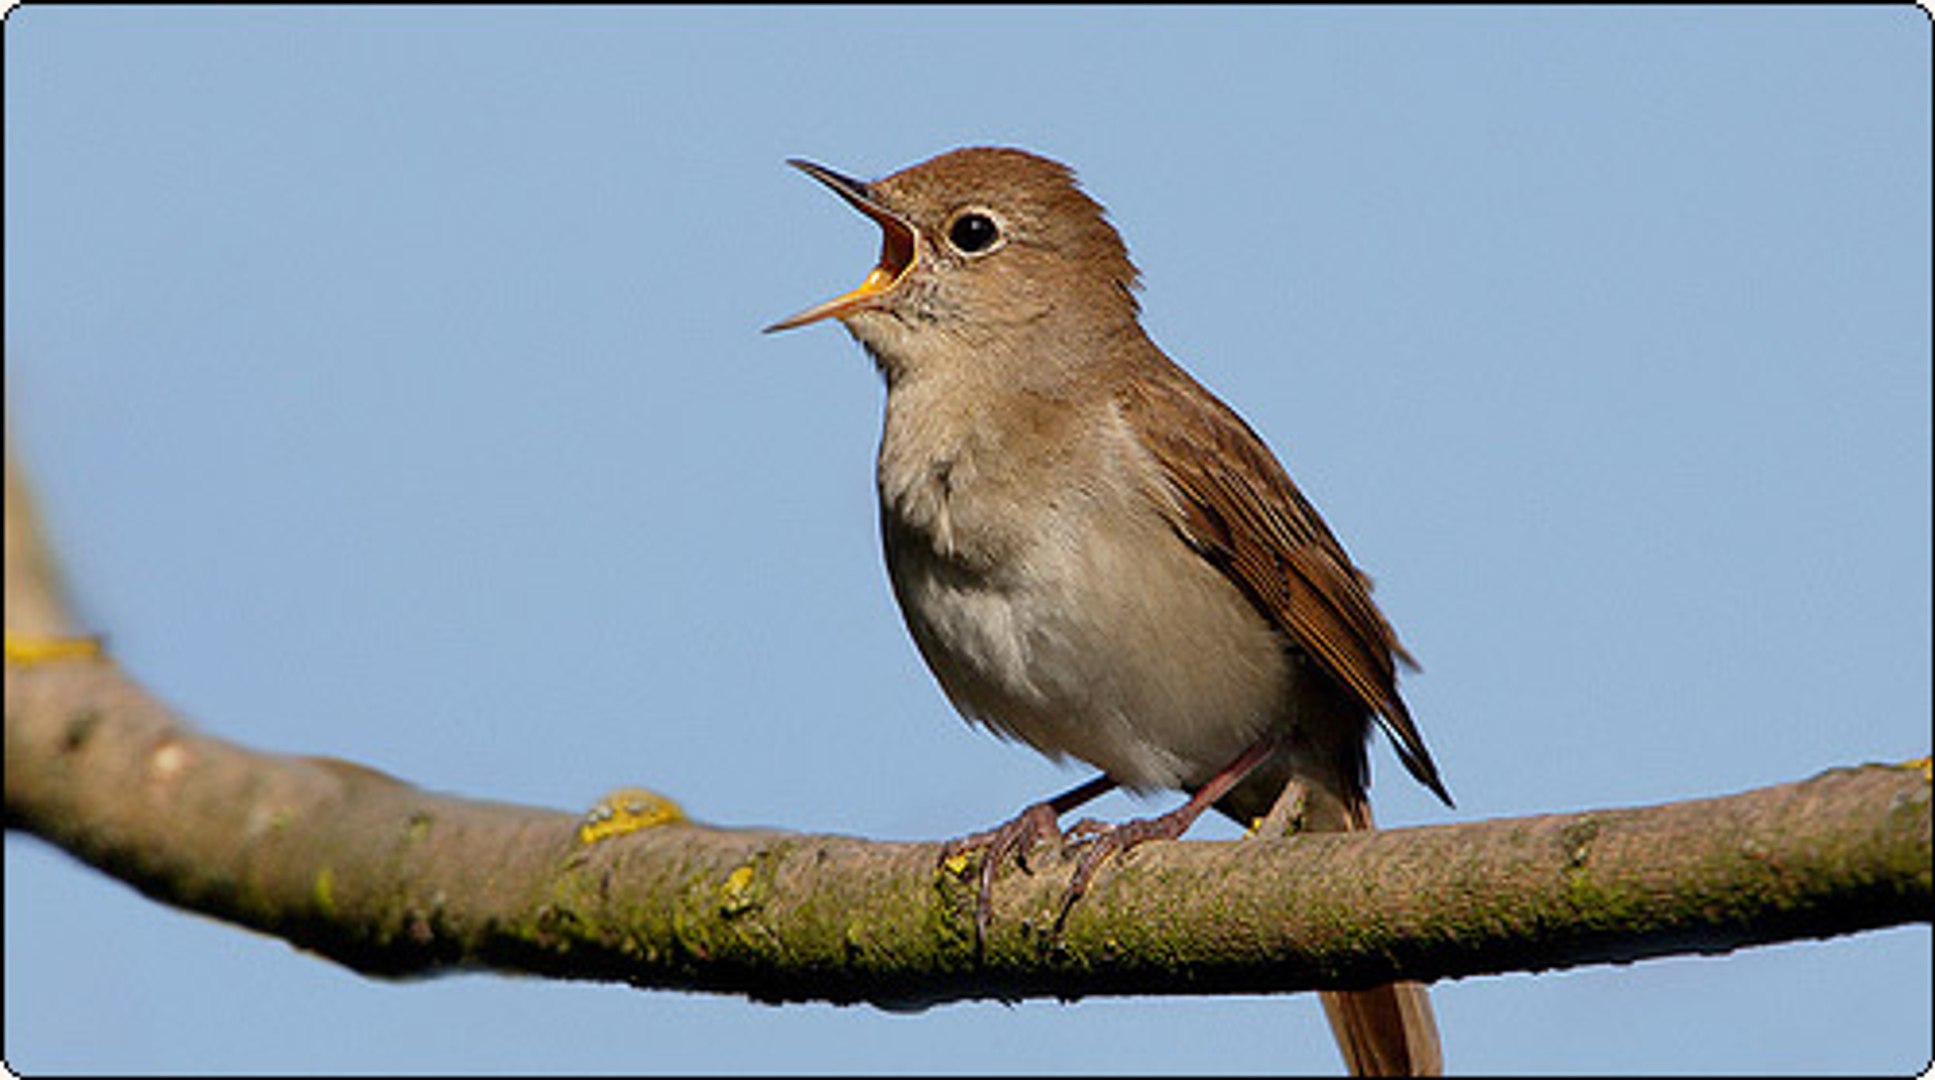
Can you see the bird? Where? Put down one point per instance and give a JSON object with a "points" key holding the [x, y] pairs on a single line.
{"points": [[1099, 558]]}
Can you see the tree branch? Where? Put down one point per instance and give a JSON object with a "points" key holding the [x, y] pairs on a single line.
{"points": [[388, 879]]}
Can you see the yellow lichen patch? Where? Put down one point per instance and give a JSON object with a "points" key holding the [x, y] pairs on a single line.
{"points": [[736, 892], [956, 863], [627, 810], [326, 891], [22, 649]]}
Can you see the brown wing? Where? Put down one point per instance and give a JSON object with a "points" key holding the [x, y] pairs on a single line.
{"points": [[1235, 504]]}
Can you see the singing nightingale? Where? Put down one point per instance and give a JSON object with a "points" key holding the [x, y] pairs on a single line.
{"points": [[1097, 556]]}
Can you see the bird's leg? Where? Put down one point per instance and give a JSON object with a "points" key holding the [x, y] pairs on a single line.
{"points": [[1105, 840], [1034, 824]]}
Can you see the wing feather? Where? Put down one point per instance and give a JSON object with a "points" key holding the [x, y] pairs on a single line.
{"points": [[1233, 502]]}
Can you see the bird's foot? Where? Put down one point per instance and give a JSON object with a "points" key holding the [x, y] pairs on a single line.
{"points": [[1103, 841], [1034, 825]]}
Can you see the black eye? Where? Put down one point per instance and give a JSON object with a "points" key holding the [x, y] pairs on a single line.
{"points": [[973, 232]]}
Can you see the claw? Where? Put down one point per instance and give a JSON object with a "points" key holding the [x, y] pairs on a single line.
{"points": [[1111, 840], [1035, 824], [1105, 841]]}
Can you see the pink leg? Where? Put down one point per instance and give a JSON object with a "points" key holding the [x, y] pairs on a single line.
{"points": [[1109, 840]]}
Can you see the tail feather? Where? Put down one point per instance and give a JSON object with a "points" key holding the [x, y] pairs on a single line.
{"points": [[1386, 1030]]}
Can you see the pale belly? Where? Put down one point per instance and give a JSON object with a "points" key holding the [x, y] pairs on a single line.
{"points": [[1135, 655]]}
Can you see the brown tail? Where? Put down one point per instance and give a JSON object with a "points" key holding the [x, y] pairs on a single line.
{"points": [[1386, 1030]]}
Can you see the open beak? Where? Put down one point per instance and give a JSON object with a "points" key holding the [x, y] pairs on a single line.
{"points": [[896, 248]]}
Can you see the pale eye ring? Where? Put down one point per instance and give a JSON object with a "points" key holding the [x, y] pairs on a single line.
{"points": [[973, 232]]}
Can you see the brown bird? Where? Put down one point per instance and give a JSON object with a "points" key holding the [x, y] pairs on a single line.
{"points": [[1097, 556]]}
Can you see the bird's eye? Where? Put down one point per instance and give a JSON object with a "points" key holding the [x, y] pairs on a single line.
{"points": [[973, 233]]}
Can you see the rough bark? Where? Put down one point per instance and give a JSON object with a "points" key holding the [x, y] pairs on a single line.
{"points": [[392, 880]]}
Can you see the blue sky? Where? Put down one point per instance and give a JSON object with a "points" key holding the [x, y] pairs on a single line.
{"points": [[393, 386]]}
